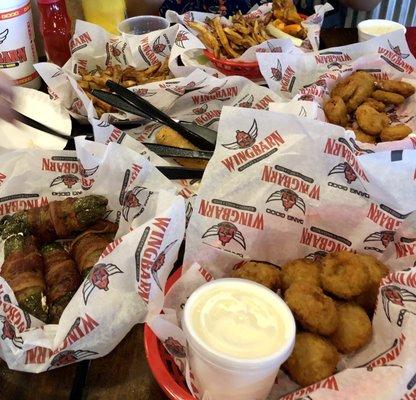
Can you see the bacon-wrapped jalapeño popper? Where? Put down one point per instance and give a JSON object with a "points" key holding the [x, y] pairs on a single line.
{"points": [[58, 219], [87, 248], [62, 279], [23, 271]]}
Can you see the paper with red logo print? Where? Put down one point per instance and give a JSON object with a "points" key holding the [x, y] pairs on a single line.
{"points": [[126, 285], [312, 76], [312, 24], [281, 187], [197, 98], [92, 47]]}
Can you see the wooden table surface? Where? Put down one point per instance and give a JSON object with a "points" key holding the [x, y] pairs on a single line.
{"points": [[123, 374]]}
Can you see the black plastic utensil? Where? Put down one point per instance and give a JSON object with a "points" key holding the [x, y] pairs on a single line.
{"points": [[177, 152], [181, 173], [40, 127], [155, 114]]}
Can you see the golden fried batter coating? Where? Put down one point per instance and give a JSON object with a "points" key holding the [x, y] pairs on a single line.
{"points": [[336, 111], [261, 272], [388, 97], [396, 132], [314, 310], [300, 270], [363, 137], [370, 120], [354, 328], [313, 359], [376, 272], [344, 275], [377, 105], [399, 87], [343, 88], [364, 84], [354, 89]]}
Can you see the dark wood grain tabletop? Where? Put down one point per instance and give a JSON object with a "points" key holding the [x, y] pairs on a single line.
{"points": [[123, 374]]}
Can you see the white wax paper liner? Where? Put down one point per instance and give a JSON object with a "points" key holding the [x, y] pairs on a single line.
{"points": [[137, 263], [197, 98], [93, 47], [312, 76], [293, 187], [313, 25]]}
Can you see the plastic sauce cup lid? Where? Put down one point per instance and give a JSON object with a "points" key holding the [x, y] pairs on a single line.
{"points": [[225, 360]]}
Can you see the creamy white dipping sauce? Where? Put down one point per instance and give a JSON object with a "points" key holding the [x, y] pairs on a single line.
{"points": [[239, 320], [380, 29]]}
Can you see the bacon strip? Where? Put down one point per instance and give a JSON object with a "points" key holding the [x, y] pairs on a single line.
{"points": [[64, 218], [61, 274], [24, 269], [40, 222], [87, 249]]}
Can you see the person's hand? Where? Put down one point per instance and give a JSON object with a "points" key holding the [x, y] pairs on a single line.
{"points": [[6, 98]]}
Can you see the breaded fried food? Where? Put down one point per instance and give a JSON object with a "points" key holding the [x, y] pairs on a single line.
{"points": [[377, 105], [370, 120], [336, 111], [354, 328], [261, 272], [344, 275], [376, 272], [403, 88], [169, 137], [396, 132], [364, 86], [354, 89], [388, 97], [300, 270], [363, 137], [315, 311], [313, 359]]}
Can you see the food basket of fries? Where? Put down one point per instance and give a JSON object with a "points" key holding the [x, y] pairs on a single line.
{"points": [[231, 44], [230, 67], [98, 56]]}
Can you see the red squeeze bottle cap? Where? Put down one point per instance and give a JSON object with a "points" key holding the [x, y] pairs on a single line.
{"points": [[48, 1]]}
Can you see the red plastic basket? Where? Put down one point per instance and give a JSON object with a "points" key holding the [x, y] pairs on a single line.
{"points": [[250, 70], [163, 368]]}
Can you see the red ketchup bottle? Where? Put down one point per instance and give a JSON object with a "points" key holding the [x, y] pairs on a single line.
{"points": [[55, 26]]}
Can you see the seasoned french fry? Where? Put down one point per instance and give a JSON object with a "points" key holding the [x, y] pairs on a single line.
{"points": [[256, 33], [127, 77], [223, 38], [233, 34]]}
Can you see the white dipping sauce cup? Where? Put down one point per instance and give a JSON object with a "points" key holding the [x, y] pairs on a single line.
{"points": [[376, 27], [142, 24], [223, 304]]}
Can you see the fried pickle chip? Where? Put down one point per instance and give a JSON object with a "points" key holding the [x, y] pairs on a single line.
{"points": [[336, 111], [377, 105], [261, 272], [364, 86], [370, 120], [376, 272], [363, 137], [301, 270], [344, 275], [314, 310], [388, 97], [313, 359], [396, 132], [403, 88], [354, 328]]}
